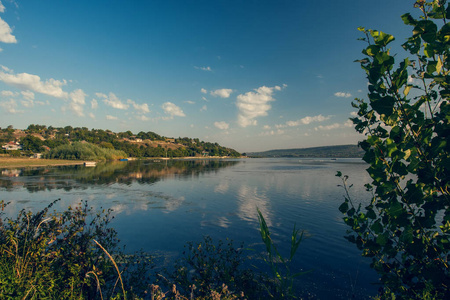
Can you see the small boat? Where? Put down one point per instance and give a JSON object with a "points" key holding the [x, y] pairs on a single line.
{"points": [[90, 163], [123, 159]]}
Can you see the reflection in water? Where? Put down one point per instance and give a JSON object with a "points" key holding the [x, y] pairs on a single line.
{"points": [[37, 179], [249, 200], [160, 206]]}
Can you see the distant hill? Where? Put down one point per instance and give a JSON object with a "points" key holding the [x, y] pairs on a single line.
{"points": [[341, 151]]}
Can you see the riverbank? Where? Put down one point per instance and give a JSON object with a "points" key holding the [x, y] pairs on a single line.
{"points": [[20, 162]]}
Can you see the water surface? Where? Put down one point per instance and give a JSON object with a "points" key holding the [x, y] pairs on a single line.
{"points": [[160, 205]]}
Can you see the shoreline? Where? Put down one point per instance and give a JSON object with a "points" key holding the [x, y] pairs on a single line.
{"points": [[20, 162], [16, 162]]}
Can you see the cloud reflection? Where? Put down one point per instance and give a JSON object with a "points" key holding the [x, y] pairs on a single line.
{"points": [[249, 199]]}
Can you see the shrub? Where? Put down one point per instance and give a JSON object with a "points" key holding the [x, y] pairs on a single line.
{"points": [[53, 256], [405, 229]]}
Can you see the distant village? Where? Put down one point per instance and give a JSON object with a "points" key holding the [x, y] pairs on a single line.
{"points": [[39, 139]]}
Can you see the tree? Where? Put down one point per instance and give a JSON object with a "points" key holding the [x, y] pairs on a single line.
{"points": [[31, 143], [405, 229]]}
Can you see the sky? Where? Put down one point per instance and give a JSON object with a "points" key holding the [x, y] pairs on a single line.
{"points": [[252, 75]]}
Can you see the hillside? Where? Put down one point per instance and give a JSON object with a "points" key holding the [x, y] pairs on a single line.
{"points": [[40, 138], [341, 151]]}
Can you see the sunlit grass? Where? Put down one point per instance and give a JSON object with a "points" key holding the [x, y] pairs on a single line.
{"points": [[17, 162]]}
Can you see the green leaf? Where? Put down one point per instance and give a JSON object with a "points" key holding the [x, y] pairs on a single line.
{"points": [[376, 227], [371, 214], [381, 38], [371, 50], [395, 209], [407, 235], [426, 29], [343, 208], [408, 19], [381, 239], [407, 89], [391, 146], [444, 33], [383, 106], [439, 65]]}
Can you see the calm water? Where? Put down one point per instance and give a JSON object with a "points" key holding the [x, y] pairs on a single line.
{"points": [[159, 206]]}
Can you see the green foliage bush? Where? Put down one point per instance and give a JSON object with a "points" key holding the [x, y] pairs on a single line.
{"points": [[52, 256], [84, 151], [405, 229]]}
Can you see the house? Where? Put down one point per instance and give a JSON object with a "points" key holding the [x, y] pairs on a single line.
{"points": [[12, 146]]}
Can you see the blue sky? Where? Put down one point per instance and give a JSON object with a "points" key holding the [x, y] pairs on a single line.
{"points": [[249, 74]]}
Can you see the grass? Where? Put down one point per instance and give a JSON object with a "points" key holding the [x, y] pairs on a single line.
{"points": [[18, 162]]}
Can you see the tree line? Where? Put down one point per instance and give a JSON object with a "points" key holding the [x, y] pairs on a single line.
{"points": [[40, 138]]}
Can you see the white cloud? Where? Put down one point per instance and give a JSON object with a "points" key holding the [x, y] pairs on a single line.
{"points": [[266, 127], [77, 101], [113, 101], [5, 33], [27, 103], [222, 93], [28, 95], [142, 118], [204, 68], [307, 120], [254, 104], [9, 94], [172, 110], [189, 102], [141, 108], [342, 95], [109, 117], [2, 7], [328, 127], [101, 95], [204, 91], [204, 108], [222, 125], [6, 69], [348, 123], [91, 115], [42, 103], [25, 81], [272, 132], [94, 104], [10, 106], [354, 114]]}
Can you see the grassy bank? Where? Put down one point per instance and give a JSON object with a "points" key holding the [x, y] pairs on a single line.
{"points": [[18, 162]]}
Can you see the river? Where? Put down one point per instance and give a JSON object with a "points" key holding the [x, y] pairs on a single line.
{"points": [[160, 205]]}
